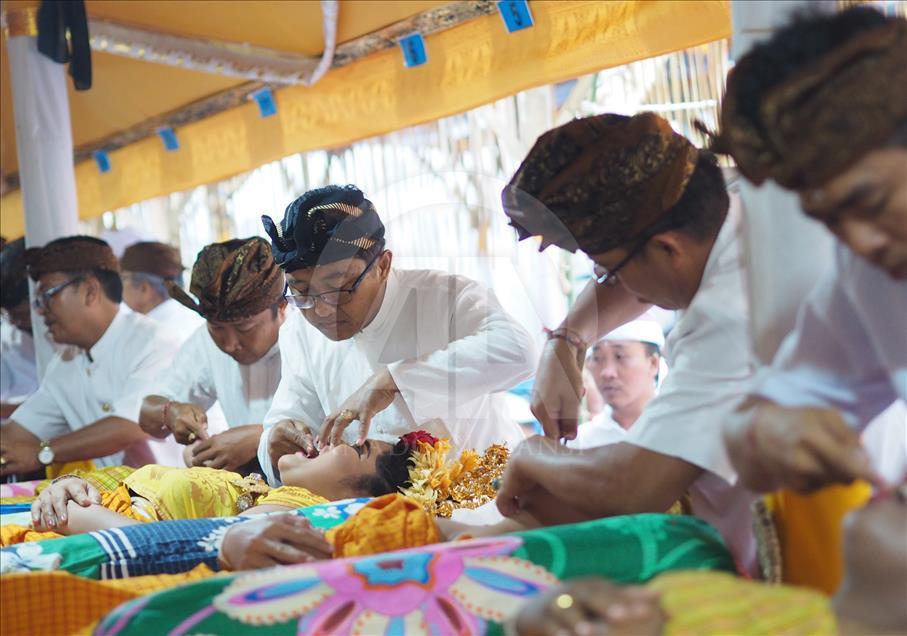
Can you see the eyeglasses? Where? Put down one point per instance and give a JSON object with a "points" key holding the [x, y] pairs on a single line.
{"points": [[41, 300], [607, 276], [333, 298]]}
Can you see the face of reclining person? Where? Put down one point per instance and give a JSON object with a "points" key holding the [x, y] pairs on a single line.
{"points": [[334, 473]]}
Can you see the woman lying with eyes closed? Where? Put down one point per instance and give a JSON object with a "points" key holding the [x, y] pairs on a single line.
{"points": [[71, 505]]}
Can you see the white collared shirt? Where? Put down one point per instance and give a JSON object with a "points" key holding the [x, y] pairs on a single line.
{"points": [[447, 343], [18, 367], [202, 374], [849, 348], [79, 388], [599, 431], [179, 320], [708, 352], [849, 352]]}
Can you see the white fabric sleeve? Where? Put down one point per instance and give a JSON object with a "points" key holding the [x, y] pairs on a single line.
{"points": [[710, 375], [295, 398], [41, 414], [189, 378], [489, 352], [829, 360], [144, 370]]}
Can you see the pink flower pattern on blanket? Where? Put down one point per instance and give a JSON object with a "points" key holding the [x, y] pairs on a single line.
{"points": [[446, 589]]}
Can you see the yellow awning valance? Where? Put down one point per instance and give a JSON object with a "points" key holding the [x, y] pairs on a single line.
{"points": [[469, 65]]}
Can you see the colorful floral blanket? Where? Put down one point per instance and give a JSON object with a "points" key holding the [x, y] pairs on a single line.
{"points": [[468, 587]]}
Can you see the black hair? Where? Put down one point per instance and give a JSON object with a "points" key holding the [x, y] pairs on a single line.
{"points": [[14, 288], [391, 472], [807, 38], [702, 208], [110, 282]]}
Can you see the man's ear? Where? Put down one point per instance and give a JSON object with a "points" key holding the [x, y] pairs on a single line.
{"points": [[384, 264], [93, 290], [670, 246]]}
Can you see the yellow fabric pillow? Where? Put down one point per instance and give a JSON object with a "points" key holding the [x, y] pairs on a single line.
{"points": [[391, 522]]}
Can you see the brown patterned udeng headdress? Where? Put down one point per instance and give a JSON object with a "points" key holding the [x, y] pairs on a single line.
{"points": [[822, 119], [232, 280], [598, 182], [71, 254]]}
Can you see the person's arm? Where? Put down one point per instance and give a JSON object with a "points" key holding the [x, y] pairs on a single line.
{"points": [[489, 351], [600, 309], [558, 389], [803, 449], [800, 430], [296, 413], [161, 416], [617, 479], [834, 358], [186, 381], [107, 436]]}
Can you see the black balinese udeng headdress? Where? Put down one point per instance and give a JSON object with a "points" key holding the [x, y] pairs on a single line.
{"points": [[324, 226]]}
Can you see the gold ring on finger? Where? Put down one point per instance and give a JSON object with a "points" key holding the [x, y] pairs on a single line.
{"points": [[191, 437], [347, 414], [563, 601]]}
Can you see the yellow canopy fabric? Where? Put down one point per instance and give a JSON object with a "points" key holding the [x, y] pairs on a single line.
{"points": [[469, 65]]}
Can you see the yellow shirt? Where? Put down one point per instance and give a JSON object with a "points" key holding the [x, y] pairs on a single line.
{"points": [[196, 493]]}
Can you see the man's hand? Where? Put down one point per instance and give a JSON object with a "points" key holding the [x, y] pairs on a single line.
{"points": [[187, 422], [802, 449], [19, 450], [519, 484], [48, 511], [592, 606], [228, 450], [288, 437], [273, 540], [558, 389], [370, 399]]}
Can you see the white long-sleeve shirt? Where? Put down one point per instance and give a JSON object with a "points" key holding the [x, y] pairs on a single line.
{"points": [[849, 352], [849, 348], [446, 342], [79, 388], [601, 430], [18, 367], [712, 369], [202, 374]]}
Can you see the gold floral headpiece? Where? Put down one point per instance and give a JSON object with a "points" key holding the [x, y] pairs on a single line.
{"points": [[442, 486]]}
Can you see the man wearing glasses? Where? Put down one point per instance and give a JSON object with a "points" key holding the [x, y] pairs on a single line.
{"points": [[87, 405], [653, 213], [235, 360], [391, 350]]}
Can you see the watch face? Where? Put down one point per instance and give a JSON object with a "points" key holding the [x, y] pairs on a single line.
{"points": [[46, 455]]}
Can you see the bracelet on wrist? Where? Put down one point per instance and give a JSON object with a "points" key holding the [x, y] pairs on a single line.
{"points": [[62, 477], [569, 336]]}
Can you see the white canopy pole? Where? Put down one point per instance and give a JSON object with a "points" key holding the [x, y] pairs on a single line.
{"points": [[44, 146], [785, 251]]}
